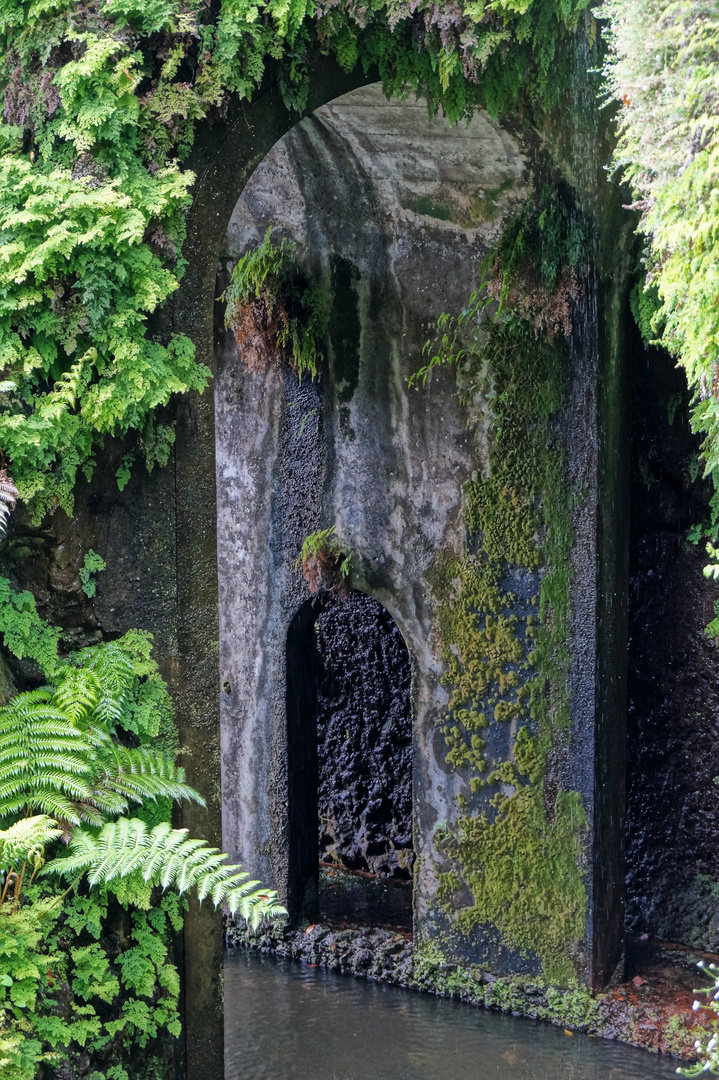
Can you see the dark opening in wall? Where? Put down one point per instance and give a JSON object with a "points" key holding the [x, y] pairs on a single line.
{"points": [[673, 719], [349, 762]]}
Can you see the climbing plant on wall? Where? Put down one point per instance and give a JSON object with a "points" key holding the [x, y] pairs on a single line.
{"points": [[101, 100], [518, 846]]}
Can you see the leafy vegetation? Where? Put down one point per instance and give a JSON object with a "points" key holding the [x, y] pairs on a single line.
{"points": [[325, 564], [269, 306], [662, 70], [77, 876], [24, 633], [101, 101], [325, 543], [91, 564], [707, 1047]]}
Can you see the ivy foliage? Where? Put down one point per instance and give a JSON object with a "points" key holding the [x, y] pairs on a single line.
{"points": [[100, 104]]}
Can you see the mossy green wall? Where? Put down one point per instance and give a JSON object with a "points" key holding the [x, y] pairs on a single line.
{"points": [[503, 611]]}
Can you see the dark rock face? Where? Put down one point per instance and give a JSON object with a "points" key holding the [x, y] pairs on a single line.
{"points": [[364, 731], [673, 732]]}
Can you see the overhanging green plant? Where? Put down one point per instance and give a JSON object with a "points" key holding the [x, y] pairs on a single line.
{"points": [[325, 542], [60, 757], [325, 563], [101, 102]]}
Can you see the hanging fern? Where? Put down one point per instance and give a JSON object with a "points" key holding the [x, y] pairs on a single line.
{"points": [[270, 307], [167, 857], [60, 763]]}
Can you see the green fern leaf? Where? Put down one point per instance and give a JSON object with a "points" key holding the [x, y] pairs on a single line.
{"points": [[26, 840], [167, 857]]}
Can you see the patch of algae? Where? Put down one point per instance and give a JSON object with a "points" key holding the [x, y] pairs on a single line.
{"points": [[507, 661]]}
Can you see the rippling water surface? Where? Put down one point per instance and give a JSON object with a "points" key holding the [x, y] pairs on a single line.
{"points": [[287, 1021]]}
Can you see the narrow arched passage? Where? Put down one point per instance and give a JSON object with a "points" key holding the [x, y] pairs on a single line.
{"points": [[349, 762]]}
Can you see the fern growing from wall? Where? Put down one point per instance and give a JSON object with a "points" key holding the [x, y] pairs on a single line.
{"points": [[271, 309]]}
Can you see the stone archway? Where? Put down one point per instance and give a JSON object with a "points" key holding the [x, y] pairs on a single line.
{"points": [[223, 158], [362, 186], [410, 465]]}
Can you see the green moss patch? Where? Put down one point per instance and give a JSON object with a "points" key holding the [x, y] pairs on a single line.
{"points": [[519, 843]]}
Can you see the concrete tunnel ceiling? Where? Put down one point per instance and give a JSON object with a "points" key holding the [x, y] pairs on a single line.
{"points": [[440, 193]]}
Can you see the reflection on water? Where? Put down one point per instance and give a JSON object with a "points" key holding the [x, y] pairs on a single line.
{"points": [[287, 1021]]}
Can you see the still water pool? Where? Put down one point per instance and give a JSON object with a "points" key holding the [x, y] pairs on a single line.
{"points": [[287, 1021]]}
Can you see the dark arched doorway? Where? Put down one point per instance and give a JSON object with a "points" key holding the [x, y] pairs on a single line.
{"points": [[349, 747]]}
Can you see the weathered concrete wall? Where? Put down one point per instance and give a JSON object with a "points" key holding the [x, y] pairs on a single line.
{"points": [[392, 214], [355, 449]]}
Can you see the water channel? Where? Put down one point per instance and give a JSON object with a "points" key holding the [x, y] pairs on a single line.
{"points": [[289, 1021]]}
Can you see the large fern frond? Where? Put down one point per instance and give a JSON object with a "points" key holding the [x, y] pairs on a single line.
{"points": [[77, 692], [44, 759], [71, 770], [137, 774], [167, 857], [115, 674]]}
